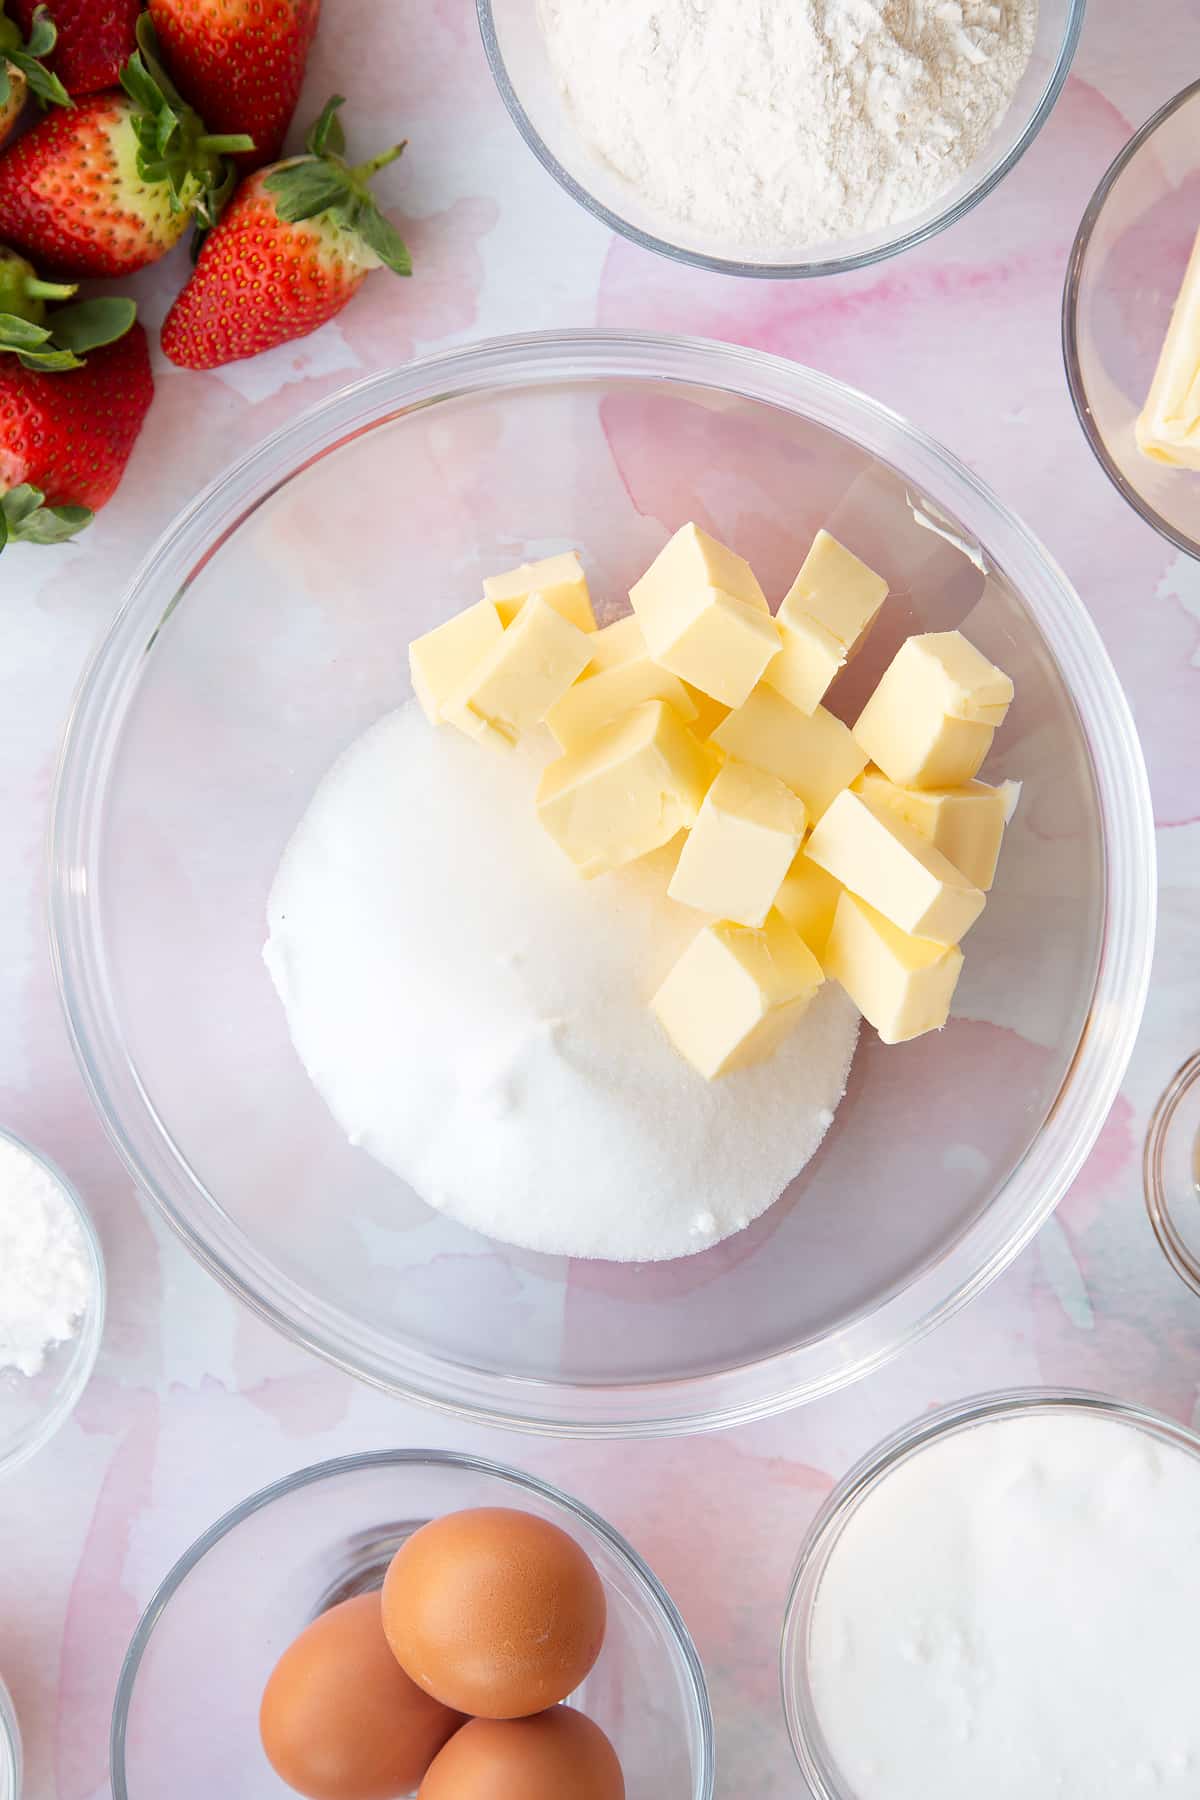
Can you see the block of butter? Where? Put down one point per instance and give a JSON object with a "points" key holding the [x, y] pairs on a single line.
{"points": [[901, 985], [560, 581], [615, 644], [809, 658], [704, 616], [604, 694], [965, 823], [813, 752], [628, 791], [736, 993], [531, 666], [744, 841], [808, 900], [828, 607], [1168, 427], [931, 720], [875, 854], [442, 660]]}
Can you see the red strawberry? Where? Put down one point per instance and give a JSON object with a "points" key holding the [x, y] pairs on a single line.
{"points": [[110, 184], [23, 68], [240, 62], [294, 245], [67, 426], [95, 39]]}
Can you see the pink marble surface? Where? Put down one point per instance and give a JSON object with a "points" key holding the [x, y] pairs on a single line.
{"points": [[194, 1403]]}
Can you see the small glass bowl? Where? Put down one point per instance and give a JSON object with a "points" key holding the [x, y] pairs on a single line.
{"points": [[232, 1604], [820, 1771], [1123, 278], [10, 1748], [1171, 1172], [34, 1407], [516, 51]]}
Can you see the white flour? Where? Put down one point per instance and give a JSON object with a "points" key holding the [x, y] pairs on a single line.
{"points": [[475, 1015], [772, 125], [45, 1274]]}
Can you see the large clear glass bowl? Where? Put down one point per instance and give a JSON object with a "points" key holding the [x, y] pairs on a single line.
{"points": [[269, 628], [1123, 277], [516, 51], [185, 1719]]}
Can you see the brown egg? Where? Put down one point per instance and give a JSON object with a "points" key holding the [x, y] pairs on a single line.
{"points": [[494, 1612], [556, 1755], [340, 1720]]}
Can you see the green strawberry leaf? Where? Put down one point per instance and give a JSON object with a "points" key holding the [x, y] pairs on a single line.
{"points": [[173, 147], [26, 519], [383, 238], [327, 133], [90, 324], [5, 81], [323, 182], [21, 334], [44, 85], [303, 189]]}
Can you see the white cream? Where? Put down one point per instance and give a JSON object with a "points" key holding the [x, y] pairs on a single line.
{"points": [[1013, 1615]]}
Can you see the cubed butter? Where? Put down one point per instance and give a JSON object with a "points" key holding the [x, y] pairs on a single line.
{"points": [[901, 985], [560, 581], [744, 840], [736, 993], [1168, 426], [965, 823], [813, 752], [615, 644], [809, 658], [609, 693], [835, 589], [533, 664], [709, 712], [627, 792], [874, 853], [930, 721], [808, 901], [704, 616], [442, 660]]}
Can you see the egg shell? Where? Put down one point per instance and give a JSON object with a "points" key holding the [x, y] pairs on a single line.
{"points": [[494, 1612], [556, 1755], [340, 1720]]}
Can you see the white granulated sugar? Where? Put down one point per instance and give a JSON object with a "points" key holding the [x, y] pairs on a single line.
{"points": [[45, 1273], [474, 1014], [776, 125]]}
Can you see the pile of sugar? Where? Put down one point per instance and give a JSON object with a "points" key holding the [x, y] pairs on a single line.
{"points": [[1013, 1612], [774, 125], [474, 1015], [45, 1274]]}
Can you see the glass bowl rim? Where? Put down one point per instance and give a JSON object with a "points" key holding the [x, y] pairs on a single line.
{"points": [[872, 1470], [1070, 321], [11, 1761], [798, 271], [1158, 1203], [84, 1348], [760, 1386], [654, 1595]]}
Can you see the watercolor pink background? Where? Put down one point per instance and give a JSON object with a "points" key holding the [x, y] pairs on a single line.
{"points": [[194, 1403]]}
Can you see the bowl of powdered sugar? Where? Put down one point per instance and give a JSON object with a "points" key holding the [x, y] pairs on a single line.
{"points": [[780, 137], [51, 1301]]}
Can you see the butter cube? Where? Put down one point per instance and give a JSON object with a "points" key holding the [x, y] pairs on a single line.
{"points": [[442, 660], [808, 901], [901, 985], [836, 590], [1168, 426], [615, 644], [809, 658], [704, 616], [709, 712], [605, 694], [737, 853], [813, 752], [627, 792], [560, 581], [871, 851], [965, 823], [930, 721], [520, 678], [736, 993]]}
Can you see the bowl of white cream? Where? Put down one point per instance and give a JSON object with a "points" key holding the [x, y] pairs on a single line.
{"points": [[785, 138], [1002, 1600]]}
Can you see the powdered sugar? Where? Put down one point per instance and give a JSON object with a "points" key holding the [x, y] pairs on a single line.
{"points": [[777, 125], [45, 1273]]}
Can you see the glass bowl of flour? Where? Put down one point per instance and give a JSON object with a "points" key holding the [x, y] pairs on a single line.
{"points": [[436, 1135], [807, 137]]}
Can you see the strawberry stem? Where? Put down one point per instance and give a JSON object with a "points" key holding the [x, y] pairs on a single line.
{"points": [[48, 290], [364, 171]]}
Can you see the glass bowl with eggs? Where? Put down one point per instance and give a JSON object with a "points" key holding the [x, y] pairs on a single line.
{"points": [[410, 1619], [438, 1133], [785, 146]]}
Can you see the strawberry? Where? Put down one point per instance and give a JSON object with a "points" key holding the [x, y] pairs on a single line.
{"points": [[295, 244], [240, 62], [110, 185], [23, 71], [67, 425], [95, 39]]}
